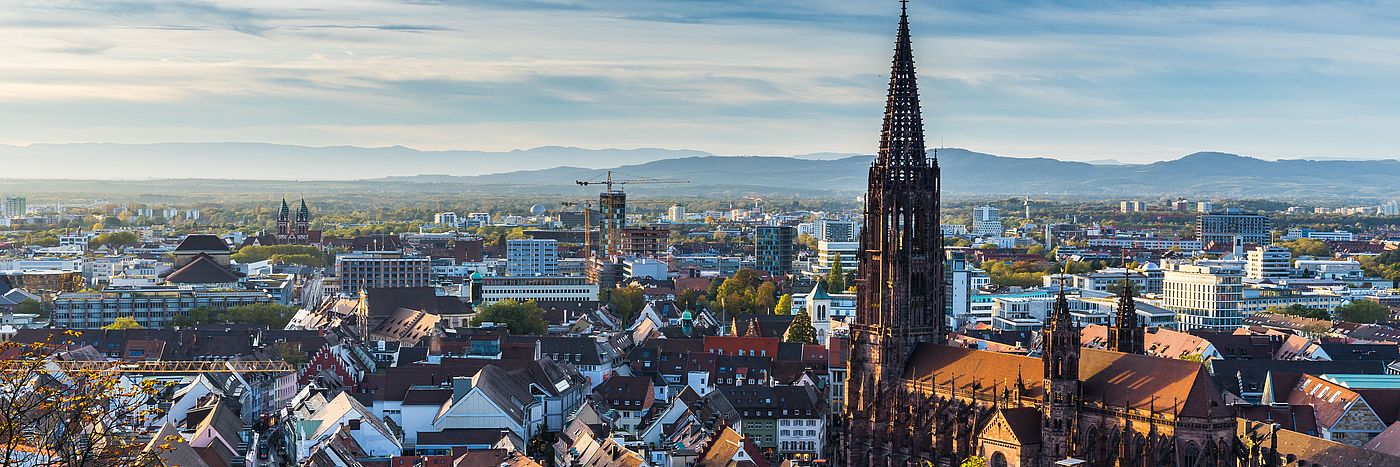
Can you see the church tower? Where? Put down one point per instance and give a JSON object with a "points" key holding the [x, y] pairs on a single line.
{"points": [[1126, 335], [303, 223], [899, 293], [284, 221], [1060, 353]]}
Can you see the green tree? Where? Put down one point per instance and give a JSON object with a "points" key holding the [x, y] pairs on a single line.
{"points": [[1116, 288], [1307, 247], [314, 261], [784, 305], [1363, 311], [974, 461], [291, 353], [1301, 311], [520, 318], [801, 329], [765, 297], [836, 277], [255, 253], [33, 307], [123, 322], [115, 240], [687, 299], [627, 302]]}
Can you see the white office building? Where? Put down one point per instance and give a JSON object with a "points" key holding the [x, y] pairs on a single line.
{"points": [[532, 257], [986, 221], [827, 252], [1268, 263], [445, 218], [1204, 296], [837, 231]]}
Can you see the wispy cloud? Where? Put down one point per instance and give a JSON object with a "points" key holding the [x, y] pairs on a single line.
{"points": [[1128, 80]]}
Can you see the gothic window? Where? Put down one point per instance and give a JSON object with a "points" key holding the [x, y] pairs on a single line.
{"points": [[998, 460], [1191, 454]]}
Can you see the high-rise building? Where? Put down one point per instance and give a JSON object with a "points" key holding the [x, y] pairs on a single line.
{"points": [[1204, 207], [986, 221], [775, 247], [1203, 296], [14, 206], [676, 214], [381, 269], [828, 251], [532, 257], [831, 230], [1223, 228], [613, 217], [1271, 262], [1131, 206], [644, 242], [445, 218]]}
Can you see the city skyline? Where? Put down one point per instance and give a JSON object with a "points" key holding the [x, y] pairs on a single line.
{"points": [[1133, 82]]}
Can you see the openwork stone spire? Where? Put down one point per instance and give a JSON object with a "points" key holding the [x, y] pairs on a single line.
{"points": [[902, 143]]}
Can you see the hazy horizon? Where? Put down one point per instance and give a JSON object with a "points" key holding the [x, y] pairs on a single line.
{"points": [[1133, 82]]}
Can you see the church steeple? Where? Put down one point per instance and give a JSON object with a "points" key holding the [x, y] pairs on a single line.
{"points": [[284, 221], [899, 292], [902, 143], [1126, 335], [1060, 354]]}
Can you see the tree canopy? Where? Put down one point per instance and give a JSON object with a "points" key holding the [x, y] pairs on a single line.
{"points": [[523, 318], [745, 292], [627, 302], [1363, 311], [272, 315], [291, 254], [123, 322], [801, 329], [116, 240], [784, 305], [1301, 311], [1307, 247], [836, 277]]}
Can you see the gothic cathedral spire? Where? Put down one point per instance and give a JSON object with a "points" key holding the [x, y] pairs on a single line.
{"points": [[1059, 351], [899, 293], [1126, 335]]}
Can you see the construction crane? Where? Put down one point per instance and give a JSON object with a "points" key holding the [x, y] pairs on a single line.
{"points": [[587, 225], [612, 204], [166, 367]]}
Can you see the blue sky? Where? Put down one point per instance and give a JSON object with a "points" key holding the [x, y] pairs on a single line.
{"points": [[1132, 81]]}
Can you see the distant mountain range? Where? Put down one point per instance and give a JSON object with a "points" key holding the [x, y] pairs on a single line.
{"points": [[553, 170]]}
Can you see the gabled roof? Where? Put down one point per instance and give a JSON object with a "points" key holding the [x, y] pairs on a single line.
{"points": [[202, 270], [1388, 442], [406, 326], [1116, 378], [1023, 422], [507, 391], [201, 242], [1313, 450], [1328, 400]]}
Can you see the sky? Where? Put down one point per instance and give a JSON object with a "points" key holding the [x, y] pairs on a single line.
{"points": [[1133, 81]]}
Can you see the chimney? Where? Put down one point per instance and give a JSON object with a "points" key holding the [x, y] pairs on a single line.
{"points": [[461, 385]]}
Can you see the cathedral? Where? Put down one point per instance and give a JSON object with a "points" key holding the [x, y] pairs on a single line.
{"points": [[912, 400]]}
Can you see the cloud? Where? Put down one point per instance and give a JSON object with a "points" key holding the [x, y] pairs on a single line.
{"points": [[1128, 80]]}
